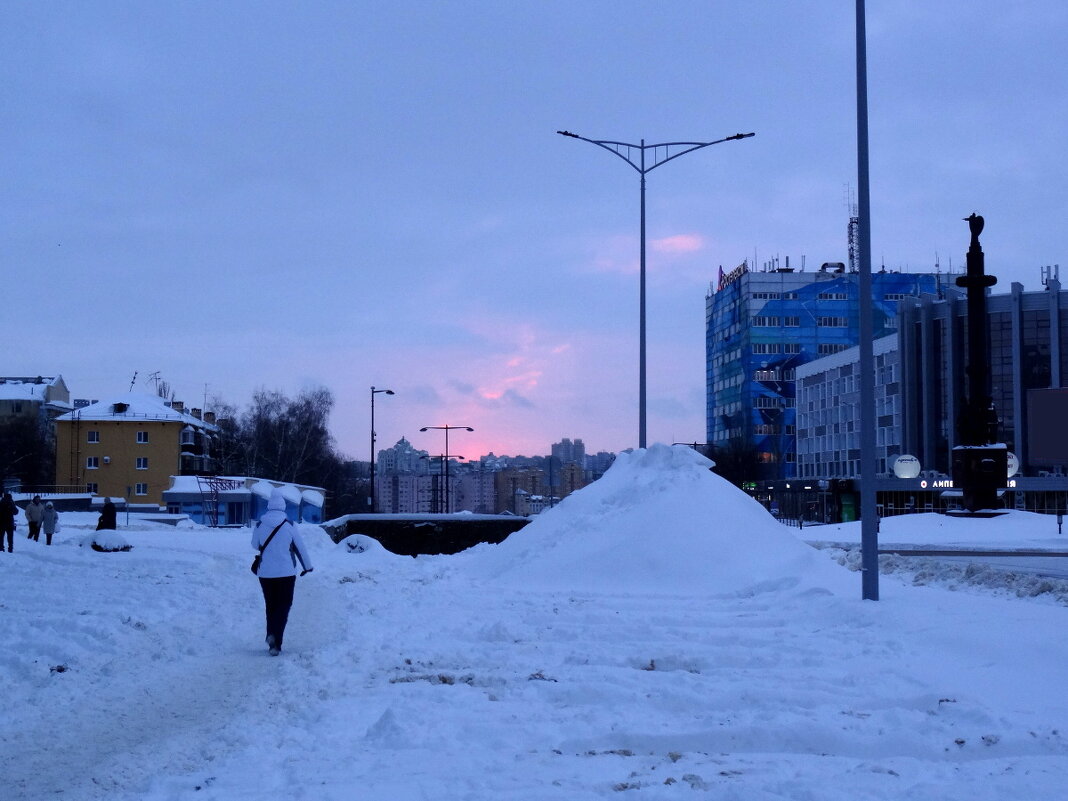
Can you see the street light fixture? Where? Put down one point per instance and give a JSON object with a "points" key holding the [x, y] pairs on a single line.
{"points": [[627, 151], [446, 456], [373, 393]]}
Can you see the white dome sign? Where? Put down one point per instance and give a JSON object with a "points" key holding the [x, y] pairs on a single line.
{"points": [[906, 466], [1013, 464]]}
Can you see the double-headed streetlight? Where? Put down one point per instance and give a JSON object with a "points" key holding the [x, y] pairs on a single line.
{"points": [[446, 456], [374, 392], [634, 155], [437, 490]]}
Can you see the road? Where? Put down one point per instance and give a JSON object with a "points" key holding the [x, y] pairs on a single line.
{"points": [[1038, 563]]}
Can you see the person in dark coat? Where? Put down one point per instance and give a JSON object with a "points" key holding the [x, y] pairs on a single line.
{"points": [[34, 510], [8, 511], [107, 516]]}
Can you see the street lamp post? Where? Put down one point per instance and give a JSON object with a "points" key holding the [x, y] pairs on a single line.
{"points": [[446, 429], [626, 151], [373, 393], [869, 524], [436, 489]]}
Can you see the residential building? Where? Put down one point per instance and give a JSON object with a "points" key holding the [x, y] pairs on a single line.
{"points": [[565, 452], [761, 326], [477, 492], [402, 459], [131, 446], [42, 397]]}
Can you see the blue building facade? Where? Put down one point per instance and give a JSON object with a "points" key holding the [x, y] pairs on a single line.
{"points": [[761, 326]]}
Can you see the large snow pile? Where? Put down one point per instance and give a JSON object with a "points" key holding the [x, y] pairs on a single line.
{"points": [[659, 521]]}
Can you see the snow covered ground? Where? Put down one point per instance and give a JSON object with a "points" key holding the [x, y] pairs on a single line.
{"points": [[656, 635]]}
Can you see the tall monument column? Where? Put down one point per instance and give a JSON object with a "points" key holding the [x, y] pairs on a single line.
{"points": [[979, 463]]}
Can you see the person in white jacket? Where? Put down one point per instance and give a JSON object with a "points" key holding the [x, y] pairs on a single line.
{"points": [[278, 566]]}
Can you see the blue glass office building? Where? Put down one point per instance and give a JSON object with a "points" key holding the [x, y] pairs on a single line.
{"points": [[760, 326]]}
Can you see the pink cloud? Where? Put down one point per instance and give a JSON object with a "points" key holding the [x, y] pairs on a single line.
{"points": [[680, 243]]}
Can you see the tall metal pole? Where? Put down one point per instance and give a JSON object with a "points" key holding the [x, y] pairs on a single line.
{"points": [[641, 322], [869, 531], [446, 429], [626, 151], [373, 393], [445, 465]]}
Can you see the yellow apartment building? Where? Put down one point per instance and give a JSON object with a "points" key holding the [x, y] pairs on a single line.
{"points": [[129, 447]]}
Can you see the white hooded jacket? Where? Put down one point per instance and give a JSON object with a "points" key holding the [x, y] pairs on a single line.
{"points": [[278, 560]]}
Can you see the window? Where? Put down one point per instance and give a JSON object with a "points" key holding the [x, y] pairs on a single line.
{"points": [[92, 462], [92, 437], [142, 437], [832, 322], [765, 296], [187, 436], [832, 296], [791, 322], [791, 347], [141, 489], [142, 463], [766, 322], [766, 347], [91, 488], [826, 349]]}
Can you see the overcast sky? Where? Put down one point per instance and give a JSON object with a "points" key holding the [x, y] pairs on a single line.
{"points": [[279, 195]]}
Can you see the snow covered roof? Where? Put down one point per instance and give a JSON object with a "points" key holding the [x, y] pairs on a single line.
{"points": [[135, 406], [313, 498], [30, 388], [293, 493]]}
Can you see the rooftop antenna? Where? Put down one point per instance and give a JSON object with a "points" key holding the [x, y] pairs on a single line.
{"points": [[154, 378], [132, 381]]}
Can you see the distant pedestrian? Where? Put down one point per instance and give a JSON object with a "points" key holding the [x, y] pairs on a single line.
{"points": [[34, 509], [280, 546], [8, 512], [108, 516], [49, 522]]}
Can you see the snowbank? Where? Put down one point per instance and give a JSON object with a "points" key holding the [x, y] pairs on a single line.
{"points": [[659, 521]]}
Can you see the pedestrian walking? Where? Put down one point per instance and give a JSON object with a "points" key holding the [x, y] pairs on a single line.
{"points": [[34, 510], [280, 547], [108, 516], [49, 522], [8, 512]]}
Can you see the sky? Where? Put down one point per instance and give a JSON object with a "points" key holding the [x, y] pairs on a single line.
{"points": [[242, 196]]}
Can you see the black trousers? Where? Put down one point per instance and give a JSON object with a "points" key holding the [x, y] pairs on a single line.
{"points": [[9, 532], [277, 599]]}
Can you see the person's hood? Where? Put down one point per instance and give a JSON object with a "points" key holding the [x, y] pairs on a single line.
{"points": [[49, 504], [277, 502]]}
